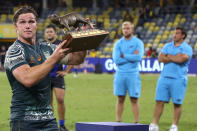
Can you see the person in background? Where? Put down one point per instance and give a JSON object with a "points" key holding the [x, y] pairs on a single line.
{"points": [[149, 52], [57, 78], [2, 56], [127, 54], [172, 82]]}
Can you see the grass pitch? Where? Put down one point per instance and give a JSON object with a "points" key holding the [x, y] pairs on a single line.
{"points": [[89, 98]]}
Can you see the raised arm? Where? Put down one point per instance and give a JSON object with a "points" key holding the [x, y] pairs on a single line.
{"points": [[30, 76]]}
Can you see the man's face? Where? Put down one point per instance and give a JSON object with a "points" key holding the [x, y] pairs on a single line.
{"points": [[127, 30], [178, 36], [50, 34], [26, 26]]}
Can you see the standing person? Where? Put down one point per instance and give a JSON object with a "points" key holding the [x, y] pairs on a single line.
{"points": [[2, 56], [57, 78], [28, 64], [127, 54], [172, 83]]}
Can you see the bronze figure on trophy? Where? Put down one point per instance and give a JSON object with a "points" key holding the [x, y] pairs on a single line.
{"points": [[81, 39]]}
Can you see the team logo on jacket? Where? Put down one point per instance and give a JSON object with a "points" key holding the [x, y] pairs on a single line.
{"points": [[39, 58], [32, 59], [46, 54]]}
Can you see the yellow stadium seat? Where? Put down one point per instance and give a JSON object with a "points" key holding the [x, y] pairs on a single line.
{"points": [[3, 18], [183, 20], [157, 28], [148, 45], [156, 41], [151, 28], [161, 45], [195, 47], [146, 24], [112, 34], [164, 37], [195, 16], [169, 24]]}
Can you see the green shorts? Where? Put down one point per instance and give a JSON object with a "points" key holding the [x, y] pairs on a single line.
{"points": [[22, 125]]}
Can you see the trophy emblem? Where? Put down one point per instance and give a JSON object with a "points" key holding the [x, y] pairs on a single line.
{"points": [[80, 39]]}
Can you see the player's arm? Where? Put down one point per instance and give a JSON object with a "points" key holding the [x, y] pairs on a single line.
{"points": [[163, 58], [179, 58], [117, 56], [30, 76], [77, 58], [65, 72], [137, 55]]}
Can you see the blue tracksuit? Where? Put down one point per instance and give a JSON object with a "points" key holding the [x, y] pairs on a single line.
{"points": [[127, 73], [173, 78]]}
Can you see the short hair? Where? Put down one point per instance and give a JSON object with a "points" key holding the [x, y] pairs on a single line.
{"points": [[24, 10], [183, 31], [51, 26], [128, 23]]}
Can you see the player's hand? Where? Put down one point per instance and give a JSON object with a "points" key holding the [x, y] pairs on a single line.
{"points": [[136, 52], [179, 54], [61, 73], [122, 55], [61, 52]]}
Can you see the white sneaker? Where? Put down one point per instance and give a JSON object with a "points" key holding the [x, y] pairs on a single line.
{"points": [[174, 128], [153, 127]]}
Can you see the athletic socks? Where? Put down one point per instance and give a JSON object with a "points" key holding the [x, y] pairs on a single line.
{"points": [[61, 122]]}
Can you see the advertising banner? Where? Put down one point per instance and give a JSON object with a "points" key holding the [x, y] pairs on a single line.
{"points": [[147, 65]]}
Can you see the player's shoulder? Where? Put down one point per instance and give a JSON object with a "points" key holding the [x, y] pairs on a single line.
{"points": [[43, 43], [186, 46], [137, 39], [15, 47], [119, 41], [57, 42], [168, 44]]}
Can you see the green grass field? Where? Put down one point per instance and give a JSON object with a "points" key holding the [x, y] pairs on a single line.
{"points": [[89, 98]]}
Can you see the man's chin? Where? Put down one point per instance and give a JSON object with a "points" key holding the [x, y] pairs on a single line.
{"points": [[127, 36]]}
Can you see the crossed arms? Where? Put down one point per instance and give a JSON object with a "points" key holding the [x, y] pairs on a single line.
{"points": [[121, 58], [179, 58]]}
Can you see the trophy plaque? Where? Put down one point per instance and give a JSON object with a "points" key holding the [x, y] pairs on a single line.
{"points": [[85, 40], [78, 40]]}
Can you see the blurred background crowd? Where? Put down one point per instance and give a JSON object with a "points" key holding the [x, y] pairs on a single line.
{"points": [[154, 20]]}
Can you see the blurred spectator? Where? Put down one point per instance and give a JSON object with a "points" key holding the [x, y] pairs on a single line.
{"points": [[154, 54], [149, 52], [142, 15], [195, 29], [93, 53], [128, 17], [2, 56], [77, 69]]}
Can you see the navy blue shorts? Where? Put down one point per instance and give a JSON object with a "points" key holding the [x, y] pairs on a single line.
{"points": [[22, 125], [58, 82]]}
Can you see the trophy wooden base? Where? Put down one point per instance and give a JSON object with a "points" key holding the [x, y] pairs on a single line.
{"points": [[84, 40]]}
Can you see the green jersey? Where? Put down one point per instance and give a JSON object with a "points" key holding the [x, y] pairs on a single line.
{"points": [[29, 103]]}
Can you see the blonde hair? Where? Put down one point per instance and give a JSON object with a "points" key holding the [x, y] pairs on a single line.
{"points": [[128, 23]]}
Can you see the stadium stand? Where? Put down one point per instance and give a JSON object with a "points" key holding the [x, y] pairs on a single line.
{"points": [[154, 23]]}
